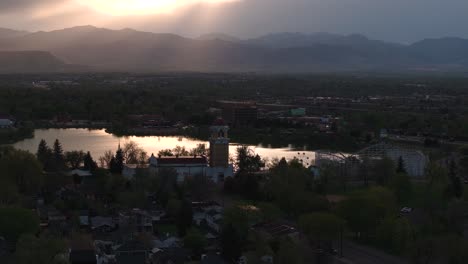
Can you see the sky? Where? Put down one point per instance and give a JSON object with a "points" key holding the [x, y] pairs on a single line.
{"points": [[403, 21]]}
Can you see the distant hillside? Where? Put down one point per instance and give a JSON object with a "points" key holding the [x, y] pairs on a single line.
{"points": [[130, 50], [9, 33], [30, 62], [219, 36]]}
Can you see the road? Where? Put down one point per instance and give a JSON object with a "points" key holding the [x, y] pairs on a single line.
{"points": [[359, 254]]}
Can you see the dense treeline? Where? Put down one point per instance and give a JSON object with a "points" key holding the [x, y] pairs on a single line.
{"points": [[97, 97], [368, 213]]}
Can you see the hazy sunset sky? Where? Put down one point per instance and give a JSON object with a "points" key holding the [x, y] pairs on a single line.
{"points": [[394, 20]]}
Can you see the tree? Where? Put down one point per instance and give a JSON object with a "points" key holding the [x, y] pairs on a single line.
{"points": [[105, 161], [89, 163], [195, 241], [8, 193], [22, 169], [201, 187], [180, 151], [247, 161], [116, 162], [395, 234], [59, 158], [15, 222], [455, 215], [165, 153], [383, 170], [199, 150], [436, 174], [290, 186], [74, 159], [132, 199], [239, 219], [42, 250], [402, 187], [231, 244], [364, 210], [289, 253], [269, 212], [44, 153], [184, 218], [321, 226], [173, 207], [134, 154], [119, 161]]}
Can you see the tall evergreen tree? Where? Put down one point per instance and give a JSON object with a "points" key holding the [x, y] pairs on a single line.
{"points": [[43, 153], [119, 161], [89, 163], [113, 166], [58, 155]]}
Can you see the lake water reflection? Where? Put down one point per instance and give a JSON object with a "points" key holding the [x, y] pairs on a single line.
{"points": [[99, 141]]}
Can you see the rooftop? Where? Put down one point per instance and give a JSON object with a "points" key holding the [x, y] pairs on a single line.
{"points": [[182, 160], [276, 229]]}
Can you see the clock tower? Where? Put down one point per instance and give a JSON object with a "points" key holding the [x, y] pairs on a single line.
{"points": [[219, 144]]}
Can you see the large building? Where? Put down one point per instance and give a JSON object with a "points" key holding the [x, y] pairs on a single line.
{"points": [[184, 166], [216, 167], [239, 114]]}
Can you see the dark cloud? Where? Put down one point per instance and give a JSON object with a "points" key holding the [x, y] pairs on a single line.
{"points": [[395, 20]]}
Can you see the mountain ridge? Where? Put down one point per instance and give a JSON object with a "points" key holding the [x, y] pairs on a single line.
{"points": [[127, 49]]}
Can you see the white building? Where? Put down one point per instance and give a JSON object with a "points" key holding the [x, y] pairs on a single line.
{"points": [[187, 166]]}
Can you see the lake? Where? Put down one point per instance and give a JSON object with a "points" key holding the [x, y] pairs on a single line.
{"points": [[99, 141]]}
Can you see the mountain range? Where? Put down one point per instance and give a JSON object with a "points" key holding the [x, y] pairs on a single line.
{"points": [[88, 48]]}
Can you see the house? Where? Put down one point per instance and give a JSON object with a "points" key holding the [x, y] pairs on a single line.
{"points": [[213, 222], [208, 214], [132, 252], [170, 242], [79, 175], [103, 224], [142, 220], [104, 252], [84, 219], [49, 215]]}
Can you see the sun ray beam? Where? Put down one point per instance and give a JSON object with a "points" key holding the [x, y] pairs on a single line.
{"points": [[142, 7]]}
